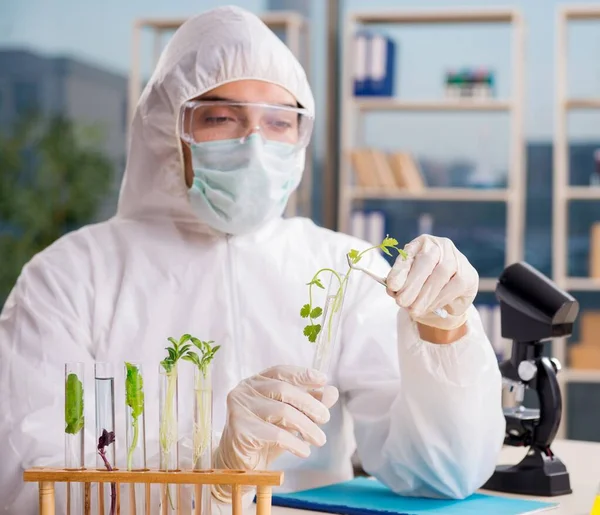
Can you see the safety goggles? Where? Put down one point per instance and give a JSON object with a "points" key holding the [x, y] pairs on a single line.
{"points": [[202, 121]]}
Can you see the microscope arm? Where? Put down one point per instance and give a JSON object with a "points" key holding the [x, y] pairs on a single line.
{"points": [[549, 396]]}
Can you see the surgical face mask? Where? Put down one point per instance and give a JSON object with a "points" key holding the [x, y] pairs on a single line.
{"points": [[241, 184]]}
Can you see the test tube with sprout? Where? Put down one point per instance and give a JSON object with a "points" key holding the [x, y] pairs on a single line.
{"points": [[135, 433], [74, 433], [330, 322], [202, 357], [202, 439], [168, 434], [105, 432]]}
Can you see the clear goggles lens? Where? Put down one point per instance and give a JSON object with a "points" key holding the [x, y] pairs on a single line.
{"points": [[203, 121]]}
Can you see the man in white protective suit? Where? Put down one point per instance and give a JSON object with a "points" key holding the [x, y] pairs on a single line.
{"points": [[199, 245]]}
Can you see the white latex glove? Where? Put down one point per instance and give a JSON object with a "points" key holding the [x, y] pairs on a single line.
{"points": [[434, 275], [266, 412]]}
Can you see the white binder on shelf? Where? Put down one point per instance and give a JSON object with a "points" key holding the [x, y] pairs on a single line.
{"points": [[361, 61], [357, 225], [374, 64], [375, 227], [368, 226]]}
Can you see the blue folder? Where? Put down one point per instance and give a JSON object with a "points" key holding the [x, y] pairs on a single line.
{"points": [[363, 496]]}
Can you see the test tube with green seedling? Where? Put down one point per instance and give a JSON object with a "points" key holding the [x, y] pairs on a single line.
{"points": [[74, 433], [169, 418], [323, 322], [202, 358], [135, 432]]}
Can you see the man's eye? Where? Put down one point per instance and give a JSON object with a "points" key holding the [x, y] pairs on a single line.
{"points": [[216, 120]]}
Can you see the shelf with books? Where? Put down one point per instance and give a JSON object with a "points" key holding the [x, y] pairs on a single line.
{"points": [[442, 194], [564, 193], [574, 375], [582, 103], [433, 16], [376, 175], [464, 104], [579, 284], [582, 192]]}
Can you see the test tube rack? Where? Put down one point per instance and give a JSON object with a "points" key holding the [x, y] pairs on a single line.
{"points": [[263, 481]]}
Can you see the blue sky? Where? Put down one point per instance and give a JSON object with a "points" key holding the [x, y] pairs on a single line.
{"points": [[100, 33]]}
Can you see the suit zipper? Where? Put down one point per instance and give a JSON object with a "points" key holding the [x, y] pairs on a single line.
{"points": [[235, 315]]}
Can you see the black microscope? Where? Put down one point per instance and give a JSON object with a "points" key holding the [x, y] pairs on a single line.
{"points": [[532, 309]]}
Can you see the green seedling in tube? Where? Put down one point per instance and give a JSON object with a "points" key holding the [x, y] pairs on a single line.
{"points": [[134, 396], [168, 430], [74, 433], [74, 418], [313, 313], [203, 393]]}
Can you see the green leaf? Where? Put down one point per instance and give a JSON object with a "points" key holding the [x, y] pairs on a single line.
{"points": [[134, 390], [403, 253], [192, 357], [316, 330], [183, 350], [386, 251], [207, 353], [74, 418], [185, 338], [173, 341], [172, 354], [305, 311], [316, 313], [354, 256], [389, 242], [312, 331], [316, 282], [167, 365]]}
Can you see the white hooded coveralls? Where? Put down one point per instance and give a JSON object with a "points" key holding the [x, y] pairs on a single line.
{"points": [[427, 418]]}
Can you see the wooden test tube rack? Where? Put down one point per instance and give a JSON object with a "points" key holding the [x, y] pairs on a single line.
{"points": [[263, 481]]}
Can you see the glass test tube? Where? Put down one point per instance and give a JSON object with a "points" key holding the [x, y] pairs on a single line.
{"points": [[168, 435], [330, 323], [135, 433], [105, 421], [74, 433], [202, 438]]}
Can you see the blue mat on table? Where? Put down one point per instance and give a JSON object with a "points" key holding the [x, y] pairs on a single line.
{"points": [[363, 496]]}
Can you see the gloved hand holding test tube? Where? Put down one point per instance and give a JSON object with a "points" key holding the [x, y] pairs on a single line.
{"points": [[441, 312], [428, 272], [331, 318]]}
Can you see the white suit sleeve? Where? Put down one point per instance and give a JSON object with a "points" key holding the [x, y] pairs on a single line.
{"points": [[41, 328], [428, 418]]}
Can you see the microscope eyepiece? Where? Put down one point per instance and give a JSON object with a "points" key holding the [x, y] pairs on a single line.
{"points": [[533, 308]]}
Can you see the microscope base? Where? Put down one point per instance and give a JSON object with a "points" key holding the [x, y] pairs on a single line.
{"points": [[537, 474]]}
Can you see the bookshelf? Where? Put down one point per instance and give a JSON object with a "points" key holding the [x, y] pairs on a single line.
{"points": [[564, 193], [352, 109], [296, 36]]}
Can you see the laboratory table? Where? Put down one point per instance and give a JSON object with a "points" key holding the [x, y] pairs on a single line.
{"points": [[583, 463]]}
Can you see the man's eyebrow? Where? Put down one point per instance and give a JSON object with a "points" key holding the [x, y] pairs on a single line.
{"points": [[218, 98]]}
